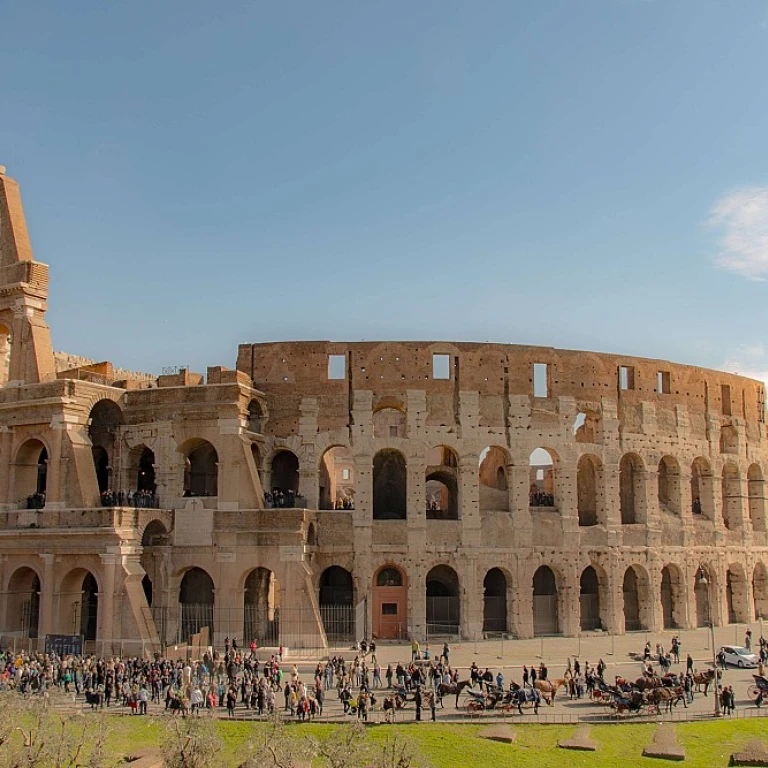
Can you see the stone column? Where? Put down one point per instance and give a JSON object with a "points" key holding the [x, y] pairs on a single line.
{"points": [[469, 498], [608, 504], [6, 442], [106, 617], [570, 604], [55, 495], [519, 503], [46, 625], [566, 497]]}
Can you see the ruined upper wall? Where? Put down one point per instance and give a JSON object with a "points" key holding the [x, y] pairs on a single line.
{"points": [[290, 371]]}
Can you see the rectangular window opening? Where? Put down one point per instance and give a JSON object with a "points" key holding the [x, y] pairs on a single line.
{"points": [[345, 474], [725, 396], [392, 430], [664, 382], [389, 609], [626, 377], [540, 383], [441, 366], [337, 366]]}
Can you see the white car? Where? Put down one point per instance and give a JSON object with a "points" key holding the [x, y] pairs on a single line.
{"points": [[737, 656]]}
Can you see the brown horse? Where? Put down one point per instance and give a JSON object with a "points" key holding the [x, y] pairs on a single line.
{"points": [[704, 678], [548, 688], [669, 697], [456, 688]]}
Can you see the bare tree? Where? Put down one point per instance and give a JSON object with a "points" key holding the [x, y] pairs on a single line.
{"points": [[276, 746], [398, 752], [346, 747], [190, 742]]}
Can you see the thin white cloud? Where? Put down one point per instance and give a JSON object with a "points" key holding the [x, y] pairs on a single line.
{"points": [[748, 360], [742, 215]]}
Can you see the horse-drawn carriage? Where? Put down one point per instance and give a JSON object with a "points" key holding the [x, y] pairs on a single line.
{"points": [[759, 690]]}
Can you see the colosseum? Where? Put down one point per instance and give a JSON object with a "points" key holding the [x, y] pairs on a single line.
{"points": [[321, 491]]}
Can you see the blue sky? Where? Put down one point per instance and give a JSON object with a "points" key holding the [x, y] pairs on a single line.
{"points": [[576, 174]]}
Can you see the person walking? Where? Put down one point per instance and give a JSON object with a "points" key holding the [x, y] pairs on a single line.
{"points": [[417, 700]]}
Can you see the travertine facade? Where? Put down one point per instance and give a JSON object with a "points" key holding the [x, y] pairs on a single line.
{"points": [[396, 488]]}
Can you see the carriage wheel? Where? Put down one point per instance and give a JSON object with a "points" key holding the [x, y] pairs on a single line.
{"points": [[753, 692], [474, 706]]}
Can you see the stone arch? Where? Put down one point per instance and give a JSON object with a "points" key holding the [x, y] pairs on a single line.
{"points": [[669, 485], [442, 483], [546, 613], [443, 601], [201, 468], [495, 608], [760, 590], [336, 597], [590, 589], [105, 421], [155, 535], [494, 481], [31, 471], [541, 483], [389, 485], [672, 597], [630, 488], [197, 602], [336, 489], [638, 605], [587, 475], [736, 594], [284, 476], [6, 342], [756, 497], [22, 615], [261, 608], [79, 604], [704, 592], [142, 469], [389, 421], [731, 495], [390, 603], [255, 417], [701, 476]]}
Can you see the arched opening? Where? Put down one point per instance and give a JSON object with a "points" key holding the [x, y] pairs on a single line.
{"points": [[255, 417], [669, 485], [145, 472], [32, 473], [636, 603], [103, 469], [731, 492], [106, 418], [700, 476], [389, 485], [337, 604], [541, 487], [442, 484], [495, 601], [89, 612], [736, 595], [589, 599], [494, 484], [702, 598], [196, 599], [201, 475], [155, 535], [23, 612], [672, 597], [630, 488], [337, 480], [756, 494], [760, 590], [546, 619], [311, 540], [389, 422], [587, 489], [390, 604], [729, 440], [261, 608], [443, 612], [146, 585], [284, 474], [5, 354]]}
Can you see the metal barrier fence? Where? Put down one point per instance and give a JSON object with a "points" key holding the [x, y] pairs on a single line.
{"points": [[442, 616]]}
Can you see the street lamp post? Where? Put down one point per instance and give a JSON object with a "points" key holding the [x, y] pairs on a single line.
{"points": [[706, 582]]}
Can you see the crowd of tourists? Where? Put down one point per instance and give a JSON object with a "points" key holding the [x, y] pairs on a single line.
{"points": [[541, 499], [135, 499], [280, 499]]}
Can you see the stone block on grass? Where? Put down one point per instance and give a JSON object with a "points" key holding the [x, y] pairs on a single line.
{"points": [[503, 733], [664, 745], [753, 753], [580, 741]]}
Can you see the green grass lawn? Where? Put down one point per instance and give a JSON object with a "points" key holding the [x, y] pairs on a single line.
{"points": [[446, 745]]}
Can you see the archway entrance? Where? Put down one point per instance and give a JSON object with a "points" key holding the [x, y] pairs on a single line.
{"points": [[196, 598], [89, 612], [700, 592], [443, 611], [31, 469], [337, 605], [23, 612], [261, 608], [587, 490], [760, 590], [390, 604], [201, 470], [106, 418], [632, 622], [495, 601], [589, 598], [546, 620], [736, 595], [389, 485], [672, 599]]}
